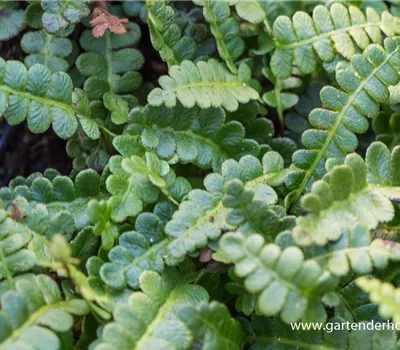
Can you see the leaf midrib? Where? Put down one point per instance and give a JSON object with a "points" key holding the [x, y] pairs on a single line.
{"points": [[43, 100], [219, 206], [325, 35]]}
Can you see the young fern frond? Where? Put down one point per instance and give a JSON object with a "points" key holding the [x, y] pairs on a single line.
{"points": [[59, 14], [144, 322], [364, 81], [35, 315], [46, 49], [285, 282], [43, 99], [327, 32], [166, 35], [202, 137], [226, 30], [384, 294], [137, 181], [110, 62], [355, 192], [205, 84], [238, 198]]}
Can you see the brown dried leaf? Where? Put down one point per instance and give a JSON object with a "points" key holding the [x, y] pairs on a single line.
{"points": [[103, 20]]}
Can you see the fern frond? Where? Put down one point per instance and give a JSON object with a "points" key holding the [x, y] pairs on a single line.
{"points": [[328, 31], [87, 153], [137, 251], [251, 11], [355, 192], [35, 314], [364, 82], [12, 20], [110, 63], [100, 217], [284, 281], [166, 36], [207, 84], [59, 14], [146, 320], [52, 203], [238, 198], [15, 257], [46, 49], [202, 137], [384, 294], [43, 99], [356, 252], [136, 181], [279, 97], [226, 30], [212, 325], [258, 129]]}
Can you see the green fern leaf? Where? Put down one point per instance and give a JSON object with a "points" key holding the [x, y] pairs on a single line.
{"points": [[355, 252], [285, 282], [12, 21], [100, 217], [136, 181], [135, 8], [238, 198], [185, 135], [46, 49], [279, 97], [59, 14], [138, 251], [355, 192], [226, 30], [327, 32], [110, 62], [207, 84], [166, 35], [43, 99], [52, 203], [153, 312], [35, 314], [251, 11], [365, 83], [15, 257]]}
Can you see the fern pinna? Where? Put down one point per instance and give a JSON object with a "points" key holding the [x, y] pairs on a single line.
{"points": [[234, 179]]}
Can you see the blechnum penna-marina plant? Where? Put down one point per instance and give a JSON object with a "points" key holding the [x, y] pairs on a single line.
{"points": [[235, 171]]}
